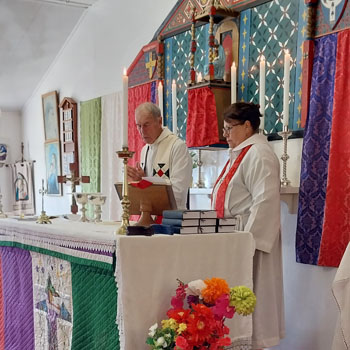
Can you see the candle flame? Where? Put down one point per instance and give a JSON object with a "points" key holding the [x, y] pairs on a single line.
{"points": [[174, 81], [124, 71], [262, 58], [160, 83], [234, 64]]}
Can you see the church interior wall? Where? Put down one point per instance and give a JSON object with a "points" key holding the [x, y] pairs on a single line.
{"points": [[90, 64], [11, 136]]}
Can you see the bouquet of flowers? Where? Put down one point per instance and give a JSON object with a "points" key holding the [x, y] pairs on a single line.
{"points": [[201, 325]]}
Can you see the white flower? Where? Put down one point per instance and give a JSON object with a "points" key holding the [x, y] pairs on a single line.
{"points": [[160, 342], [195, 287], [152, 330]]}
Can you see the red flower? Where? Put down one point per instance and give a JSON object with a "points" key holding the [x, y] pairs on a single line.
{"points": [[179, 315], [222, 307], [182, 344], [200, 325]]}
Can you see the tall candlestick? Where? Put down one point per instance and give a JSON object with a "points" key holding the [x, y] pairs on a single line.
{"points": [[286, 88], [125, 109], [160, 98], [233, 82], [262, 91], [174, 107]]}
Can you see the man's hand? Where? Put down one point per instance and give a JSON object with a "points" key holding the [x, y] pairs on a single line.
{"points": [[135, 173]]}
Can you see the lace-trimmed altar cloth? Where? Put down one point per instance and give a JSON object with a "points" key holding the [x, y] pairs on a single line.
{"points": [[147, 269]]}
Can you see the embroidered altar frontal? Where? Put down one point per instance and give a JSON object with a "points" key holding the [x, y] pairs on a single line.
{"points": [[56, 298]]}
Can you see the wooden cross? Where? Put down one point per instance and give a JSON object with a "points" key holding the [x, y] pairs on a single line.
{"points": [[150, 64], [74, 180]]}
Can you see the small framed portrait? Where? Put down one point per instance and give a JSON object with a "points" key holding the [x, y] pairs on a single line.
{"points": [[50, 114], [53, 168]]}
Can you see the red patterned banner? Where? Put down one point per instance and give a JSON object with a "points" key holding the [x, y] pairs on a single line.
{"points": [[202, 121], [136, 96], [336, 225]]}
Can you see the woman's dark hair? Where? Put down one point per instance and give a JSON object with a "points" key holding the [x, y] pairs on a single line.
{"points": [[243, 111]]}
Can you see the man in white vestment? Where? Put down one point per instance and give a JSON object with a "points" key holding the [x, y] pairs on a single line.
{"points": [[164, 155], [249, 189]]}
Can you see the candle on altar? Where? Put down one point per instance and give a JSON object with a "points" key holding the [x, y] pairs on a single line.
{"points": [[262, 78], [160, 98], [174, 107], [286, 78], [125, 109], [233, 82], [199, 77]]}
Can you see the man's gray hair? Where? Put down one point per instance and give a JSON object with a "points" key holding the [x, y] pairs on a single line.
{"points": [[150, 108]]}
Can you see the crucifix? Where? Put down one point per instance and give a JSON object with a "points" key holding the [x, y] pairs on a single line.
{"points": [[74, 180], [43, 218]]}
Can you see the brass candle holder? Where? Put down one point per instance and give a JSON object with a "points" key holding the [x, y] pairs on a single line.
{"points": [[125, 154], [43, 218], [285, 134]]}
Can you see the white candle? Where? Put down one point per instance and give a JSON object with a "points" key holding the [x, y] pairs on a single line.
{"points": [[233, 82], [173, 103], [125, 109], [160, 98], [262, 91], [199, 77], [286, 88]]}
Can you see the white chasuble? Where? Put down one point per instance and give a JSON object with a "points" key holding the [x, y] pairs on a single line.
{"points": [[168, 157]]}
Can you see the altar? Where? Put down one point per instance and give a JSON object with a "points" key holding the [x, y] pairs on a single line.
{"points": [[75, 285]]}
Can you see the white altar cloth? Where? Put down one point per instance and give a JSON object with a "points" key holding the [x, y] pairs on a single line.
{"points": [[341, 292], [62, 232], [147, 269]]}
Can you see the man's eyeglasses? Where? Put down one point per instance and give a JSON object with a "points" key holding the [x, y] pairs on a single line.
{"points": [[229, 128]]}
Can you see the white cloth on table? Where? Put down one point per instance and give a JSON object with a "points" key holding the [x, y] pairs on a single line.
{"points": [[341, 293], [253, 193], [147, 269], [180, 165]]}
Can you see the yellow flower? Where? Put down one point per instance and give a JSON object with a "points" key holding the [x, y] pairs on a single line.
{"points": [[182, 327], [243, 300], [170, 323]]}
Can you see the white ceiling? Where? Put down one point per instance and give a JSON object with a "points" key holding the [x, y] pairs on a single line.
{"points": [[32, 33]]}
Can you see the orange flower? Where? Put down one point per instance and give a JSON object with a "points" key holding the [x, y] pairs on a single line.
{"points": [[215, 288]]}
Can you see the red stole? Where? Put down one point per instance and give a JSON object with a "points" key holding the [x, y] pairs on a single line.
{"points": [[220, 196]]}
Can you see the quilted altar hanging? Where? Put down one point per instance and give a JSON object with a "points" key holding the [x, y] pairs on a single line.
{"points": [[56, 301], [323, 224]]}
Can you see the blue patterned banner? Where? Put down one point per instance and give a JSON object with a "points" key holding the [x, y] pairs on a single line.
{"points": [[243, 55], [315, 154]]}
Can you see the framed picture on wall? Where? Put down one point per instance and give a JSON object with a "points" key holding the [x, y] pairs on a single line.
{"points": [[50, 114], [53, 168]]}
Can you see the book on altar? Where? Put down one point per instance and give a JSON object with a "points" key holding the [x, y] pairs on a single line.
{"points": [[208, 214], [196, 230], [227, 228], [207, 229], [207, 222], [229, 221], [182, 214], [180, 222], [157, 180]]}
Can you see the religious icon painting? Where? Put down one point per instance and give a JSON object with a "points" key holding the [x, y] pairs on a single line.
{"points": [[50, 114], [53, 168], [333, 11], [3, 152]]}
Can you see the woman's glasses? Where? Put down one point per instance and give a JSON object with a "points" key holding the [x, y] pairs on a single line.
{"points": [[226, 130]]}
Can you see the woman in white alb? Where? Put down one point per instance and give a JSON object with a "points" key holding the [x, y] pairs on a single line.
{"points": [[248, 189]]}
